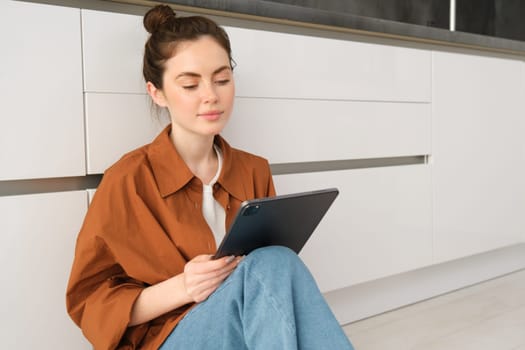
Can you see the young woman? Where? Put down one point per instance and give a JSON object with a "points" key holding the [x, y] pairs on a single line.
{"points": [[143, 276]]}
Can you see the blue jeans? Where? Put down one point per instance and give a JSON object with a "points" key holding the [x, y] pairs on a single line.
{"points": [[269, 302]]}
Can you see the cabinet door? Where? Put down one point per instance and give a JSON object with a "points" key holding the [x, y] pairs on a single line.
{"points": [[113, 45], [117, 124], [41, 124], [37, 242], [478, 157], [379, 225]]}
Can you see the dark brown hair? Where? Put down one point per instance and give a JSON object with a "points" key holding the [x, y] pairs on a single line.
{"points": [[167, 31]]}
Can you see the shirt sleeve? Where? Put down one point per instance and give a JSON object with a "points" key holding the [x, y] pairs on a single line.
{"points": [[270, 187], [100, 296]]}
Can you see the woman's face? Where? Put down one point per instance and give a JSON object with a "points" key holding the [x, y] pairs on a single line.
{"points": [[198, 88]]}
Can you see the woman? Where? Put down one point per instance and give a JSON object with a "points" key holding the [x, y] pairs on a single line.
{"points": [[143, 276]]}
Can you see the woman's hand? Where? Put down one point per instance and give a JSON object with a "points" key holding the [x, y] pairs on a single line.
{"points": [[202, 275], [200, 278]]}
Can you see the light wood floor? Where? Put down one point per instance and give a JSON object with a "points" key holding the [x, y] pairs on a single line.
{"points": [[490, 315]]}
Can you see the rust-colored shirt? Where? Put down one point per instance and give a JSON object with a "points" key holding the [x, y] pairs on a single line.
{"points": [[144, 223]]}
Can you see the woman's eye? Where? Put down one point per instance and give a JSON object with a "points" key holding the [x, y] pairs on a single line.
{"points": [[189, 87], [222, 82]]}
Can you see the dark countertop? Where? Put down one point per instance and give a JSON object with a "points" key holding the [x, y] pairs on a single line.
{"points": [[358, 24]]}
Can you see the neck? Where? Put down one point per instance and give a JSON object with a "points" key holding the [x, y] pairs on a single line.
{"points": [[198, 154]]}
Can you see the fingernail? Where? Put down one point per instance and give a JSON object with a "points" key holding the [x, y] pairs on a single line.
{"points": [[230, 259]]}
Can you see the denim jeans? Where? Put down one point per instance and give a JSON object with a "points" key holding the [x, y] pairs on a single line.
{"points": [[269, 302]]}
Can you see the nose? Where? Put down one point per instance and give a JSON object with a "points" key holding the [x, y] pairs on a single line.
{"points": [[209, 94]]}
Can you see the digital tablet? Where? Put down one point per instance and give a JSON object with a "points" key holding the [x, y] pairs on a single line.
{"points": [[285, 220]]}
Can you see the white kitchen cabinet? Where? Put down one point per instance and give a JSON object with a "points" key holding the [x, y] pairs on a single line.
{"points": [[270, 64], [119, 114], [478, 153], [281, 130], [113, 47], [117, 124], [367, 101], [282, 65], [291, 130], [41, 124], [37, 242], [379, 225]]}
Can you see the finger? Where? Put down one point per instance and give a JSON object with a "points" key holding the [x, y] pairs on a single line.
{"points": [[202, 257], [201, 283], [201, 265], [216, 281], [201, 291], [212, 279], [204, 293], [226, 269], [196, 277]]}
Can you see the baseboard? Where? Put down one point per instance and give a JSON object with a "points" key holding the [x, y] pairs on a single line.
{"points": [[375, 297]]}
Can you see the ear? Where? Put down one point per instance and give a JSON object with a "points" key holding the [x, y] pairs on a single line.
{"points": [[156, 94]]}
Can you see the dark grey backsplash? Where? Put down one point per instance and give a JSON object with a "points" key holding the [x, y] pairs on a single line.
{"points": [[498, 18], [431, 13]]}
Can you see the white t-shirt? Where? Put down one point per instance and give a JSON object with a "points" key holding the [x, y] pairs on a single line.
{"points": [[213, 212]]}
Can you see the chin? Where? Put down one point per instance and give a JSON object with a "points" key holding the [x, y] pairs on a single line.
{"points": [[215, 129], [212, 131]]}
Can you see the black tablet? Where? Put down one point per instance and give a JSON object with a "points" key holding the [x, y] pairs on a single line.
{"points": [[286, 220]]}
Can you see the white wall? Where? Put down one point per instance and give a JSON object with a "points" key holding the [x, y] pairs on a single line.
{"points": [[307, 100]]}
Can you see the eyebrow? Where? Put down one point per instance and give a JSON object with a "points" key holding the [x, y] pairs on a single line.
{"points": [[192, 74]]}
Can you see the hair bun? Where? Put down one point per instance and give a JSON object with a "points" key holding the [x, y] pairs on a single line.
{"points": [[157, 17]]}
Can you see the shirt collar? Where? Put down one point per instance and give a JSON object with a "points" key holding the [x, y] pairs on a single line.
{"points": [[172, 174], [231, 175]]}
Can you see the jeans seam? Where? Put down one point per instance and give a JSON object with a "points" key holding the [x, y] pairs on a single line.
{"points": [[274, 302]]}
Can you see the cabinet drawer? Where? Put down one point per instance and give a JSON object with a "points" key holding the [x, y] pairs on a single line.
{"points": [[379, 225], [273, 64], [313, 130]]}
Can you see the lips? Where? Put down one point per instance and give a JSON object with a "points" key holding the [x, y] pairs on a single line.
{"points": [[210, 115]]}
